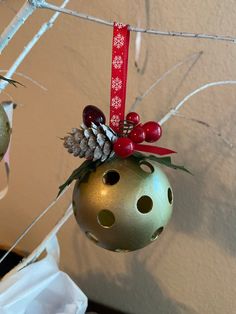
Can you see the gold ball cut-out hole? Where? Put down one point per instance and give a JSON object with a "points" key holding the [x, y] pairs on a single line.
{"points": [[111, 177], [121, 251], [170, 195], [91, 236], [106, 218], [146, 167], [157, 233], [144, 204]]}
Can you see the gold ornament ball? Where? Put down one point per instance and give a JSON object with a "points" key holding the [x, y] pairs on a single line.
{"points": [[124, 204], [5, 132]]}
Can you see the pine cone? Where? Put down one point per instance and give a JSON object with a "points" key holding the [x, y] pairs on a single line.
{"points": [[95, 142]]}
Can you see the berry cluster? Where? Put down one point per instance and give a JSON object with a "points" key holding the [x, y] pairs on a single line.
{"points": [[124, 146], [150, 131]]}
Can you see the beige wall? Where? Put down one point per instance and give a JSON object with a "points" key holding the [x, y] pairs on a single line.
{"points": [[192, 269]]}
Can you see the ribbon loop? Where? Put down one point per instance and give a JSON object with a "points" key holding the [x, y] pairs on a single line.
{"points": [[120, 53], [119, 69]]}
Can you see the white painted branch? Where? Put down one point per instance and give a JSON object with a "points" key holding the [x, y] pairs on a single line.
{"points": [[42, 246], [30, 45], [33, 223], [173, 112], [140, 98], [49, 6], [26, 10]]}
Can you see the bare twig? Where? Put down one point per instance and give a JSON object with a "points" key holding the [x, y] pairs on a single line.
{"points": [[173, 112], [163, 76], [49, 6], [27, 78], [26, 10], [39, 250], [185, 75], [30, 45], [26, 231], [29, 7]]}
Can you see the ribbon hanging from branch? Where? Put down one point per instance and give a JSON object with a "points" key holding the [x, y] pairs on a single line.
{"points": [[120, 54], [119, 71]]}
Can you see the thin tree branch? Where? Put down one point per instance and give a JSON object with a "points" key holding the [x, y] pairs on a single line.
{"points": [[140, 98], [173, 112], [26, 231], [49, 6], [41, 247], [29, 7], [26, 10], [30, 45]]}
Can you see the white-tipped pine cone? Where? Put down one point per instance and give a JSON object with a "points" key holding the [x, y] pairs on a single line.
{"points": [[95, 142]]}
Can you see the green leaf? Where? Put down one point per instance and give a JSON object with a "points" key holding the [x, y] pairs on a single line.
{"points": [[166, 161], [80, 173], [139, 155], [13, 82]]}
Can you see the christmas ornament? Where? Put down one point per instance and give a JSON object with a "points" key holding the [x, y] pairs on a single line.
{"points": [[124, 205], [122, 200], [5, 132]]}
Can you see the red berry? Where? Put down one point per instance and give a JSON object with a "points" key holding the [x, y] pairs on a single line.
{"points": [[93, 114], [137, 135], [123, 147], [133, 117], [153, 131]]}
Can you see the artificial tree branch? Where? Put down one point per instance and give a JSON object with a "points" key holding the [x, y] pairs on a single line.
{"points": [[174, 111], [30, 45], [49, 6], [140, 98], [26, 10], [30, 6], [43, 245], [32, 224]]}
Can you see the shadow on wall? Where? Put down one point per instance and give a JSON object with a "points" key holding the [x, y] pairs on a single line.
{"points": [[208, 207], [123, 287]]}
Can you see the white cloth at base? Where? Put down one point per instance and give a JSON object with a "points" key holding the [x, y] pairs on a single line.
{"points": [[41, 288]]}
